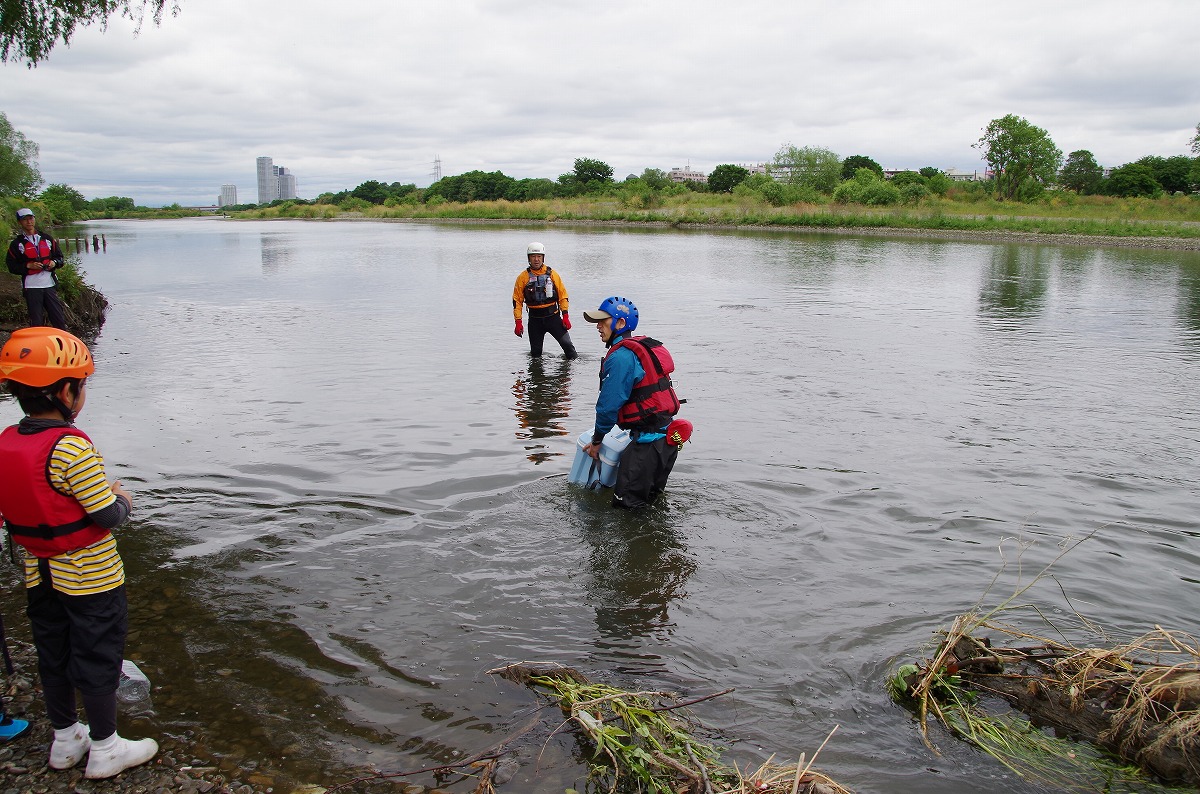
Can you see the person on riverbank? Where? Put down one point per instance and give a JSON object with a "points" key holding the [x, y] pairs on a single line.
{"points": [[34, 256], [58, 504], [636, 394], [540, 288]]}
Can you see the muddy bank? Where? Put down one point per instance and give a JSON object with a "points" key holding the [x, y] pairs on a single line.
{"points": [[85, 305]]}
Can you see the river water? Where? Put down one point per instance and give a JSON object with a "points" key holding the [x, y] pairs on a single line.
{"points": [[351, 503]]}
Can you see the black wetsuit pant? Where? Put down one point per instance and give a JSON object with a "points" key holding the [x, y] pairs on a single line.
{"points": [[643, 473], [80, 641], [550, 324], [44, 303]]}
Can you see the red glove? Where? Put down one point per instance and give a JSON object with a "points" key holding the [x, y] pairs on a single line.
{"points": [[519, 329], [566, 321]]}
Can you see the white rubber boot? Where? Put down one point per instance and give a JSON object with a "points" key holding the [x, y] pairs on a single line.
{"points": [[69, 746], [114, 754]]}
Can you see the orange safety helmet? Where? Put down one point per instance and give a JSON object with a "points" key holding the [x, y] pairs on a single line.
{"points": [[42, 356]]}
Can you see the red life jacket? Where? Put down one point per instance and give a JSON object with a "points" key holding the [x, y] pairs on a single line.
{"points": [[35, 252], [652, 402], [38, 517]]}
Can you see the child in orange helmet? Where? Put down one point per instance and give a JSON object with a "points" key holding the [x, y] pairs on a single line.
{"points": [[58, 504]]}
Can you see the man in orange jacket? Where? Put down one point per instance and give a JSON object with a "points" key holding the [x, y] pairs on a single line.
{"points": [[541, 289]]}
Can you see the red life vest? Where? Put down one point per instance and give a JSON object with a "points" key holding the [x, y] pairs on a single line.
{"points": [[35, 252], [652, 402], [38, 517]]}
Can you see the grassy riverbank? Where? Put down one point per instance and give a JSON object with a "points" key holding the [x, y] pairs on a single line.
{"points": [[1066, 215]]}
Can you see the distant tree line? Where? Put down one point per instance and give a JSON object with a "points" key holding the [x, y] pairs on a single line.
{"points": [[1023, 163]]}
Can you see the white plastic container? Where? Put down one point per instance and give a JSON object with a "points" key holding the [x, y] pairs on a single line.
{"points": [[134, 686], [592, 473]]}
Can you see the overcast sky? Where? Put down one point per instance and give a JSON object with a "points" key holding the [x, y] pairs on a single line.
{"points": [[376, 89]]}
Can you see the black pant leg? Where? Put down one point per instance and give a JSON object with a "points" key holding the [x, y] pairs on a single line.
{"points": [[54, 308], [51, 630], [37, 310], [555, 327], [537, 335], [667, 453], [636, 476]]}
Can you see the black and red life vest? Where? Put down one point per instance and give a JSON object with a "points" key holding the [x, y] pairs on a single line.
{"points": [[41, 251], [653, 401], [36, 252], [41, 519], [539, 289]]}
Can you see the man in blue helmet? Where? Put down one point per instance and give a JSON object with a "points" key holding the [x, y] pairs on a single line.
{"points": [[635, 394]]}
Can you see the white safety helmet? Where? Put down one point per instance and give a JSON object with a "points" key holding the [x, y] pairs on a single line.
{"points": [[535, 248]]}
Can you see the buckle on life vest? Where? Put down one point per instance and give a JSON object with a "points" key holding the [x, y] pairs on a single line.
{"points": [[679, 432]]}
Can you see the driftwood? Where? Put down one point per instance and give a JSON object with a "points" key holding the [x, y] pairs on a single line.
{"points": [[1142, 712]]}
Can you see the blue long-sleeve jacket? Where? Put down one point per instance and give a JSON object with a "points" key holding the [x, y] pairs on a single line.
{"points": [[619, 373]]}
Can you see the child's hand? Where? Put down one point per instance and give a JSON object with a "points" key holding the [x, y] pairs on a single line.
{"points": [[120, 491]]}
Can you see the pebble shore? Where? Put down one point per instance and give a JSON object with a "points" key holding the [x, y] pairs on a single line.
{"points": [[24, 768]]}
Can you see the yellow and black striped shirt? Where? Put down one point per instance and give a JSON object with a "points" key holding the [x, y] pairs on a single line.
{"points": [[76, 469]]}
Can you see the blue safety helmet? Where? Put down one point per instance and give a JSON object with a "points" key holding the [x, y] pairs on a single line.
{"points": [[618, 309]]}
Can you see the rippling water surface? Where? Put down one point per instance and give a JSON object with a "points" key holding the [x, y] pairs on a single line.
{"points": [[350, 492]]}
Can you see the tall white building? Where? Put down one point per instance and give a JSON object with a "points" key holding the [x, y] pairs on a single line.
{"points": [[268, 184], [286, 182], [228, 196], [274, 181]]}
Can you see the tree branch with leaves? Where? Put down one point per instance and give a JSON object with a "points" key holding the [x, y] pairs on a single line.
{"points": [[30, 29]]}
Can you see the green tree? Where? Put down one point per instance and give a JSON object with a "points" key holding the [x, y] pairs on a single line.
{"points": [[655, 179], [857, 161], [929, 172], [62, 192], [902, 178], [1132, 179], [29, 29], [1021, 155], [372, 190], [471, 186], [19, 175], [807, 166], [725, 178], [63, 202], [1196, 141], [113, 204], [588, 172], [1170, 172], [1081, 173], [867, 187], [530, 189]]}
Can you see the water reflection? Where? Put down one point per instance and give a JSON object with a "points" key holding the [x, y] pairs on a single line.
{"points": [[543, 402], [1189, 303], [636, 568], [1015, 283], [276, 254]]}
